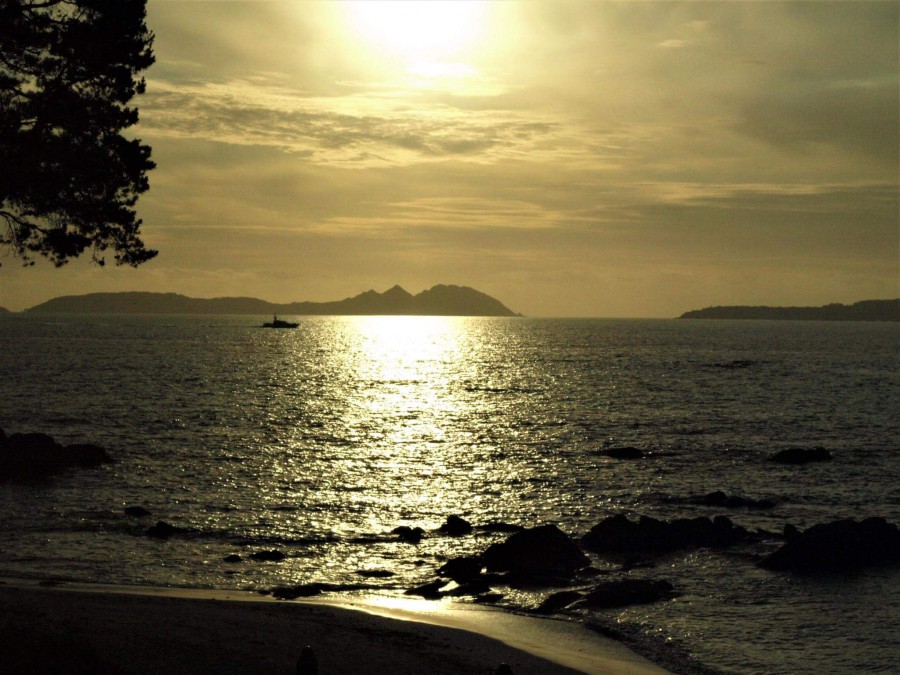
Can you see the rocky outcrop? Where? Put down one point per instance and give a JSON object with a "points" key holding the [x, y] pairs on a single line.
{"points": [[35, 455], [801, 456], [535, 554], [722, 500], [463, 569], [619, 535], [268, 556], [163, 530], [623, 452], [455, 526], [837, 547], [626, 592], [411, 535]]}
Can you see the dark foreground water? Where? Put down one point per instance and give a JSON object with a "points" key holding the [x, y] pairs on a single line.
{"points": [[319, 441]]}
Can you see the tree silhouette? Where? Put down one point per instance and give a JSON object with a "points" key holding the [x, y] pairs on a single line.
{"points": [[69, 179]]}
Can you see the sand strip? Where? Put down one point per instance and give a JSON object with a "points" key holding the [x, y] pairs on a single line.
{"points": [[121, 629]]}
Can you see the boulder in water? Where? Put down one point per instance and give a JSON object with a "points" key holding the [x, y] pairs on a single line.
{"points": [[838, 547], [557, 601], [163, 530], [412, 535], [455, 526], [535, 553], [619, 535], [627, 592], [801, 456], [462, 569], [36, 455], [268, 556]]}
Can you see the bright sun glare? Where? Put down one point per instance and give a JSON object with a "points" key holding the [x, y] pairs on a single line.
{"points": [[424, 30]]}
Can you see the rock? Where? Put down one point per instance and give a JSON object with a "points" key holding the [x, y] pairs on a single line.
{"points": [[801, 456], [535, 553], [556, 601], [307, 663], [840, 546], [790, 532], [625, 452], [627, 592], [499, 527], [163, 530], [618, 535], [294, 592], [429, 591], [375, 574], [268, 556], [723, 500], [87, 455], [474, 587], [455, 526], [462, 569], [138, 511], [35, 455], [413, 535], [233, 558]]}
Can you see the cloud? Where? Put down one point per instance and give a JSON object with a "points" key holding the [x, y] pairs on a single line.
{"points": [[353, 130]]}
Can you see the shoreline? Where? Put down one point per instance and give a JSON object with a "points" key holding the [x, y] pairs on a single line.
{"points": [[150, 629]]}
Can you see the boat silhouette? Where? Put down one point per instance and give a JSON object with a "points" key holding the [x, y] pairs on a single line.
{"points": [[278, 323]]}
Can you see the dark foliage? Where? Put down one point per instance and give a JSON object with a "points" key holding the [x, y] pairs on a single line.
{"points": [[69, 179]]}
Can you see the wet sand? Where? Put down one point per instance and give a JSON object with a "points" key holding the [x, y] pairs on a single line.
{"points": [[119, 629]]}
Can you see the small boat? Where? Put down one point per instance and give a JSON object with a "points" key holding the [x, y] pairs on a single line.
{"points": [[278, 323]]}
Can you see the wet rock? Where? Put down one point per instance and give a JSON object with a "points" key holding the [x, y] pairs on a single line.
{"points": [[488, 598], [790, 532], [298, 591], [268, 556], [474, 587], [557, 601], [455, 526], [722, 500], [412, 535], [801, 456], [87, 455], [462, 569], [627, 592], [138, 511], [163, 530], [625, 452], [536, 554], [619, 535], [35, 455], [375, 574], [838, 547], [429, 591], [307, 664], [233, 558], [499, 527]]}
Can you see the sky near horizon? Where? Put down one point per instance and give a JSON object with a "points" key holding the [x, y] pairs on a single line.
{"points": [[570, 158]]}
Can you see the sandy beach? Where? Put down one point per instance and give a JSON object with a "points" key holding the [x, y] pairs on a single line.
{"points": [[80, 628]]}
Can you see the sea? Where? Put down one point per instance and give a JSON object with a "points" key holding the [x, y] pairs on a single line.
{"points": [[318, 441]]}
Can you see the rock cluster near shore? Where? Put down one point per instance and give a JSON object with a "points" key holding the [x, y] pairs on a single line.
{"points": [[34, 455]]}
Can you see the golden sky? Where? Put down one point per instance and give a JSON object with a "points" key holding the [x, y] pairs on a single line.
{"points": [[632, 159]]}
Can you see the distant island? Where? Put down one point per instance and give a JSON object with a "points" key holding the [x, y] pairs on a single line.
{"points": [[440, 300], [866, 310]]}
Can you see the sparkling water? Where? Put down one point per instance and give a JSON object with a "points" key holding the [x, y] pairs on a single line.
{"points": [[318, 441]]}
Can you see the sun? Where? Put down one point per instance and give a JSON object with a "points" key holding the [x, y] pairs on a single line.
{"points": [[419, 30]]}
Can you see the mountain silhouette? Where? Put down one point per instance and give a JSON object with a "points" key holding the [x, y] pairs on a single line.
{"points": [[865, 310], [440, 300]]}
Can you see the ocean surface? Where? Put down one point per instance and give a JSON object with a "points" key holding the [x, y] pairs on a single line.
{"points": [[319, 441]]}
